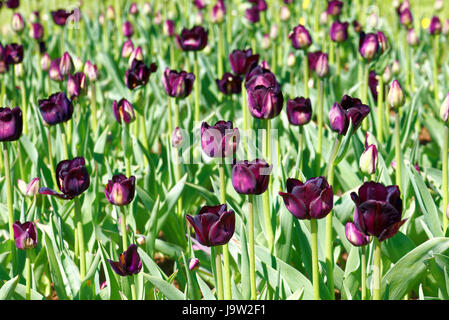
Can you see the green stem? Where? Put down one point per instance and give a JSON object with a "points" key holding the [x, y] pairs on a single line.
{"points": [[226, 261], [219, 273], [266, 195], [306, 74], [220, 50], [320, 126], [94, 108], [380, 111], [9, 200], [363, 266], [82, 249], [24, 107], [197, 89], [445, 176], [123, 227], [28, 276], [299, 157], [365, 93], [436, 49], [246, 119], [338, 62], [64, 141], [315, 270], [377, 272], [397, 139], [133, 290], [169, 120], [252, 257]]}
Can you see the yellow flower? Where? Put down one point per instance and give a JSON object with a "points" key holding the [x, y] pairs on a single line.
{"points": [[305, 4], [302, 21], [425, 23]]}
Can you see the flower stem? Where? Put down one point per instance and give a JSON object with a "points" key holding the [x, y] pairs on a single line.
{"points": [[170, 126], [28, 276], [436, 49], [397, 139], [338, 62], [320, 126], [218, 270], [227, 268], [315, 270], [133, 290], [365, 93], [79, 223], [266, 195], [197, 89], [123, 228], [380, 111], [300, 146], [363, 266], [252, 257], [94, 107], [445, 176], [24, 107], [9, 199], [245, 117], [220, 51], [377, 275], [306, 75]]}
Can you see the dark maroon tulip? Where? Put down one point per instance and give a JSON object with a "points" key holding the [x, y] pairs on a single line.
{"points": [[334, 7], [194, 39], [355, 236], [60, 16], [378, 210], [242, 61], [218, 12], [11, 123], [368, 46], [383, 41], [12, 4], [348, 109], [56, 109], [54, 71], [37, 31], [127, 29], [214, 225], [406, 18], [372, 83], [435, 26], [178, 84], [300, 37], [299, 111], [13, 53], [169, 28], [129, 262], [4, 66], [25, 235], [120, 190], [219, 140], [72, 178], [313, 199], [357, 26], [123, 111], [66, 65], [200, 4], [261, 5], [76, 85], [339, 31], [265, 99], [252, 14], [229, 84], [138, 74], [251, 177], [319, 62]]}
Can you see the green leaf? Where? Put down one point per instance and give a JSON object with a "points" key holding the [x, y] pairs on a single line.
{"points": [[167, 289], [8, 288]]}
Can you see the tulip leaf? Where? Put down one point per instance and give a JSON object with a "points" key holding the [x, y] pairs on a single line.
{"points": [[112, 288], [21, 292], [55, 268], [207, 293], [344, 146], [7, 290], [409, 270], [166, 288]]}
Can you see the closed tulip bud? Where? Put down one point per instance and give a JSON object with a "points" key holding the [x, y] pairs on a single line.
{"points": [[194, 264], [266, 41], [370, 139], [91, 71], [147, 9], [138, 74], [285, 13], [207, 50], [339, 31], [299, 111], [54, 71], [313, 199], [76, 85], [36, 31], [324, 18], [25, 235], [368, 45], [78, 64], [178, 84], [129, 262], [56, 109], [438, 5], [218, 12], [214, 225], [229, 84], [355, 236], [72, 178], [444, 110], [300, 38], [169, 28], [127, 29], [373, 21], [435, 26], [322, 66], [373, 81], [29, 190], [291, 60], [141, 240], [123, 111], [110, 13], [199, 4], [11, 123], [251, 177], [383, 41], [242, 61], [274, 31], [334, 7], [261, 5], [120, 190], [45, 62], [412, 38], [252, 14], [348, 109], [220, 140], [60, 16], [368, 160], [66, 65], [18, 70], [127, 48], [396, 95], [133, 9], [157, 20], [101, 19], [12, 4], [194, 39], [136, 54], [177, 140], [396, 67], [406, 18], [17, 23]]}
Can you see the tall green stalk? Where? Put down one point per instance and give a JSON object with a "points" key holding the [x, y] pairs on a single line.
{"points": [[377, 272], [363, 270], [266, 195], [123, 228], [226, 261], [79, 224], [93, 104], [197, 89], [436, 50], [306, 74], [9, 200], [216, 254], [28, 276], [320, 126], [315, 270], [397, 143], [365, 93], [445, 176], [252, 256], [380, 111]]}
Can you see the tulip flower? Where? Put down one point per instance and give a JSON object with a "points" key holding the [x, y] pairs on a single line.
{"points": [[178, 84], [369, 46], [199, 4], [355, 236], [261, 5], [123, 111], [368, 160], [127, 29], [357, 26], [382, 41], [194, 264], [177, 139], [251, 177], [129, 262], [138, 74], [396, 95], [252, 14], [60, 16], [444, 109], [265, 99], [54, 72], [72, 179], [13, 53], [218, 12], [242, 61], [11, 124], [313, 199], [127, 48], [37, 31], [76, 85], [387, 74], [56, 109], [435, 26], [169, 28], [137, 54], [66, 65], [29, 190], [214, 225], [25, 235], [300, 38], [339, 31], [372, 83], [229, 84], [133, 9], [291, 60], [406, 18], [194, 39], [91, 71], [220, 140], [334, 7], [348, 109], [285, 13], [299, 111], [45, 62], [120, 190], [17, 23]]}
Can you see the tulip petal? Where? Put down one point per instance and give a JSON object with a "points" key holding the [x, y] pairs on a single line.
{"points": [[295, 205], [222, 231], [322, 205], [390, 231], [51, 192], [355, 236]]}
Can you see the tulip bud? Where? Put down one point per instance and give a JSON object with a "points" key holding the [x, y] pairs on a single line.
{"points": [[396, 67], [387, 75], [147, 9], [355, 236], [110, 13], [438, 5], [194, 264], [133, 9], [291, 60], [129, 262], [17, 23], [324, 18], [396, 95], [54, 72], [141, 240], [252, 14], [66, 64], [412, 38], [123, 111], [127, 48], [29, 190], [45, 62], [90, 70], [127, 29], [169, 28], [11, 124], [218, 12], [157, 18], [444, 110], [36, 31], [435, 26], [101, 19], [199, 18], [299, 111], [136, 54], [120, 190], [25, 235], [368, 160], [18, 70], [78, 64], [445, 29], [265, 41], [274, 31], [406, 18], [285, 13], [370, 139], [368, 45], [339, 31], [177, 139], [373, 21], [322, 66], [300, 37]]}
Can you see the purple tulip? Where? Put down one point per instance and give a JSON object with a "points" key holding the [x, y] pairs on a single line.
{"points": [[138, 74], [299, 111], [242, 61], [348, 109], [169, 28], [444, 109], [357, 26], [339, 31], [368, 46], [76, 85], [378, 210], [382, 41], [60, 16], [334, 7], [313, 199], [194, 39], [123, 111], [372, 83], [265, 99], [56, 109], [46, 61], [229, 84], [120, 190], [199, 4], [261, 5], [368, 160], [127, 48], [25, 235], [12, 4], [194, 264], [54, 72], [435, 26], [406, 18], [29, 190], [66, 65], [72, 178], [218, 12], [11, 123], [133, 9], [178, 84], [355, 236], [214, 225], [251, 177], [318, 62], [127, 29], [252, 14], [396, 95], [129, 262], [17, 23], [412, 38], [37, 31], [300, 37], [220, 140], [177, 139], [13, 53], [4, 67], [91, 71]]}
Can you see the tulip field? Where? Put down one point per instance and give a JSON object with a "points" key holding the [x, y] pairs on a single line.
{"points": [[224, 150]]}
